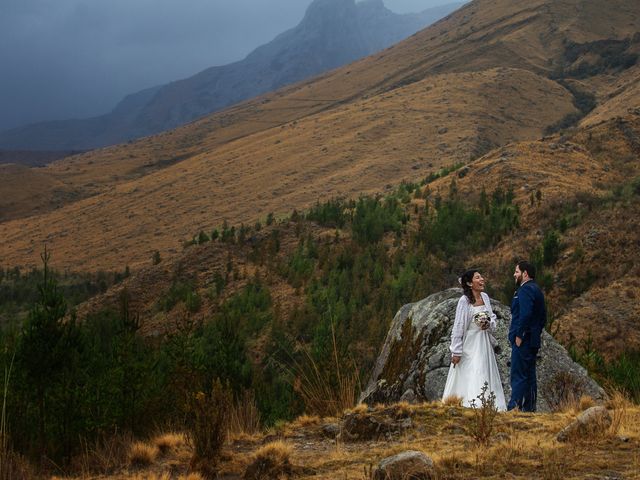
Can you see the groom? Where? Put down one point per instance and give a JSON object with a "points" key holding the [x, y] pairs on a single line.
{"points": [[528, 317]]}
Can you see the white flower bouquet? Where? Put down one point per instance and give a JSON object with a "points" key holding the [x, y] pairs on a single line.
{"points": [[482, 320]]}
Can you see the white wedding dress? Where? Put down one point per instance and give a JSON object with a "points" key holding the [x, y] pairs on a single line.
{"points": [[477, 365]]}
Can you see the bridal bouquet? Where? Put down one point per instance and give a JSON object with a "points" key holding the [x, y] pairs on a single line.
{"points": [[482, 320]]}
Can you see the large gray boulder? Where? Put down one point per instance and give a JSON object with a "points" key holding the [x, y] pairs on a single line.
{"points": [[409, 465], [414, 361]]}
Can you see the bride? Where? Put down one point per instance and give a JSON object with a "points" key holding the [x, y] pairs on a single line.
{"points": [[473, 361]]}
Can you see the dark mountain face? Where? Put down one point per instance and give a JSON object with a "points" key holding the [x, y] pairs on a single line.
{"points": [[331, 34]]}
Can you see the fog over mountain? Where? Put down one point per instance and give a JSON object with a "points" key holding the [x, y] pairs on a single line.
{"points": [[76, 59]]}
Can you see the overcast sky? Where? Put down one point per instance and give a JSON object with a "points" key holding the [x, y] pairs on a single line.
{"points": [[77, 58]]}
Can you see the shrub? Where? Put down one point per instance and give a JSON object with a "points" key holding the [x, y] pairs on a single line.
{"points": [[208, 419], [203, 237], [329, 214], [550, 248], [484, 414]]}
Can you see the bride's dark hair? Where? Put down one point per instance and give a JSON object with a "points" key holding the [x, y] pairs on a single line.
{"points": [[465, 280]]}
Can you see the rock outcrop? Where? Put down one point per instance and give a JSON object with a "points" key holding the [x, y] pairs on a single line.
{"points": [[414, 361]]}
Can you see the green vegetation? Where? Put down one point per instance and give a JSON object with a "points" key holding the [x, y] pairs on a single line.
{"points": [[622, 372], [387, 251], [443, 172], [19, 290]]}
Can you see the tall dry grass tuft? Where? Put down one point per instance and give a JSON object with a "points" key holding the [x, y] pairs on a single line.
{"points": [[619, 404], [553, 467], [327, 392], [244, 416], [209, 417], [453, 401], [142, 455], [103, 455], [168, 442], [307, 420], [270, 461]]}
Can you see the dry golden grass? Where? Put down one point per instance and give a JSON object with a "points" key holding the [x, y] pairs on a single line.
{"points": [[270, 461], [244, 416], [402, 409], [453, 401], [307, 420], [398, 114], [522, 447], [356, 148], [278, 451], [164, 476], [361, 408], [620, 407], [168, 442], [103, 454], [142, 454]]}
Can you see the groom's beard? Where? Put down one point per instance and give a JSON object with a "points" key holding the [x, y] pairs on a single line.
{"points": [[518, 281]]}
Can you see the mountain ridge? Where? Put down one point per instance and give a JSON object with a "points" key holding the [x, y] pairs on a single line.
{"points": [[372, 123], [331, 34]]}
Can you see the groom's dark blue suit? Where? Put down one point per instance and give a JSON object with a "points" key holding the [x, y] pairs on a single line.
{"points": [[528, 317]]}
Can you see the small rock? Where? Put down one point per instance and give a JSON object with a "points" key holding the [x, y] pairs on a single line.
{"points": [[407, 465], [408, 396], [331, 430], [366, 427], [405, 423], [591, 421]]}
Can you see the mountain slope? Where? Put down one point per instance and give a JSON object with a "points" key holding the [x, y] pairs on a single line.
{"points": [[385, 118], [332, 33], [357, 148]]}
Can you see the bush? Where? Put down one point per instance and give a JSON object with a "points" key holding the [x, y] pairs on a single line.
{"points": [[208, 417], [180, 291], [550, 248], [484, 414], [329, 214]]}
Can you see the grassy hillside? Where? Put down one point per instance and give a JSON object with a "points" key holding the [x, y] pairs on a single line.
{"points": [[489, 74], [278, 238]]}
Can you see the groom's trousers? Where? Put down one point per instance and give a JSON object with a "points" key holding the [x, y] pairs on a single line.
{"points": [[524, 385]]}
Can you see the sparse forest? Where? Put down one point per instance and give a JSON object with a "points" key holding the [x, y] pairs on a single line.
{"points": [[72, 380]]}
